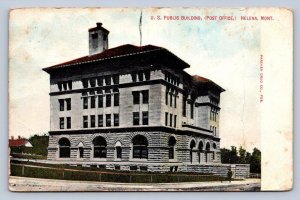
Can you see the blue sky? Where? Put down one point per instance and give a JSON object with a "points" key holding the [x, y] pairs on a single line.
{"points": [[226, 52]]}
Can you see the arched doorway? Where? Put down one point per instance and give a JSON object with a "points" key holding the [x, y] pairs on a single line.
{"points": [[64, 148]]}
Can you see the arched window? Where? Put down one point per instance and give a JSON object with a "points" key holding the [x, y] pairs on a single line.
{"points": [[207, 150], [200, 148], [64, 148], [118, 150], [172, 142], [99, 147], [140, 147], [192, 145]]}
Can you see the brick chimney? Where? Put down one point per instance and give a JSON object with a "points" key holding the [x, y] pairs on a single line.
{"points": [[98, 39]]}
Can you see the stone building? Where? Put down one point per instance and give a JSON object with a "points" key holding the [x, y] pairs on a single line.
{"points": [[132, 108]]}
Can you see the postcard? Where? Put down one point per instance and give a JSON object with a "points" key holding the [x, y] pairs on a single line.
{"points": [[150, 99]]}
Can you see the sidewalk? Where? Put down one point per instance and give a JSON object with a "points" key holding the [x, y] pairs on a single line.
{"points": [[35, 184]]}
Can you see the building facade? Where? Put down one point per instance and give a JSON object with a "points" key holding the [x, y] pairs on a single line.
{"points": [[132, 108]]}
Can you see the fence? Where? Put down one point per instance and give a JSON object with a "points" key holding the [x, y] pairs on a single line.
{"points": [[85, 175]]}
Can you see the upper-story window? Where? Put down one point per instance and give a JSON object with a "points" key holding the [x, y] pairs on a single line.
{"points": [[85, 102], [108, 120], [116, 119], [140, 76], [61, 104], [145, 94], [136, 97], [107, 80], [85, 83], [116, 99], [213, 114], [61, 123], [68, 122], [100, 81], [68, 102], [136, 118], [92, 82], [184, 106], [145, 117], [64, 85], [93, 101], [171, 78], [192, 110], [116, 79], [85, 122]]}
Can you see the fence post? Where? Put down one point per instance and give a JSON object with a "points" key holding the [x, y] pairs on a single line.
{"points": [[100, 177], [130, 179], [63, 174], [151, 178]]}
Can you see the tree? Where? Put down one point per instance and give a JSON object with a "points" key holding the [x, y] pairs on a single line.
{"points": [[242, 155], [255, 161]]}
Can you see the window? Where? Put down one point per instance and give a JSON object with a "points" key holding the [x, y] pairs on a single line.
{"points": [[171, 120], [80, 149], [136, 97], [166, 119], [85, 83], [171, 99], [200, 148], [136, 118], [108, 100], [192, 110], [68, 101], [100, 101], [61, 104], [93, 102], [175, 100], [147, 75], [85, 102], [92, 82], [145, 118], [59, 84], [70, 85], [100, 120], [61, 123], [175, 120], [167, 95], [133, 76], [107, 80], [172, 143], [108, 120], [116, 119], [99, 144], [119, 152], [140, 147], [145, 94], [64, 148], [93, 121], [141, 76], [100, 81], [68, 122], [65, 85], [116, 79], [184, 106], [116, 99], [85, 121]]}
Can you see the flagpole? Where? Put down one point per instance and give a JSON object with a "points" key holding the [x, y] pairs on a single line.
{"points": [[140, 27]]}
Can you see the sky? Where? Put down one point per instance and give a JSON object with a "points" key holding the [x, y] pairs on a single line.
{"points": [[226, 52]]}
